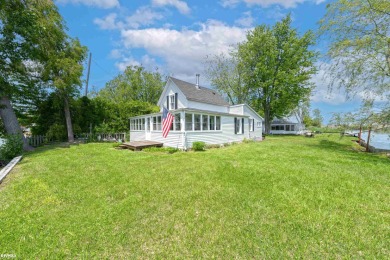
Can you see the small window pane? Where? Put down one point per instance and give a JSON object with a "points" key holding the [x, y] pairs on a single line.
{"points": [[197, 122], [212, 124], [218, 123], [177, 122], [188, 118], [205, 122]]}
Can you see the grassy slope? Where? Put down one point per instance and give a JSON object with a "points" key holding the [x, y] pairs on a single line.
{"points": [[285, 197]]}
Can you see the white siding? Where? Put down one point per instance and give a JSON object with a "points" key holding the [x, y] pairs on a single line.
{"points": [[171, 89], [258, 129], [238, 109], [137, 135], [226, 135], [208, 107]]}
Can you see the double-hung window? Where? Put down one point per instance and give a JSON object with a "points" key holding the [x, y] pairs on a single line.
{"points": [[172, 102]]}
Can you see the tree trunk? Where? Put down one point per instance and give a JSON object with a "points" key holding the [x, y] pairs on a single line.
{"points": [[10, 121], [368, 140], [267, 121], [68, 120]]}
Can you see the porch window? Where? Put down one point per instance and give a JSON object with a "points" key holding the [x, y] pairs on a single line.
{"points": [[218, 123], [177, 122], [143, 124], [196, 122], [188, 119], [292, 128], [157, 123], [287, 127], [212, 122], [205, 122]]}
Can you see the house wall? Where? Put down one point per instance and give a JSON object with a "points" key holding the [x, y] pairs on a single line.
{"points": [[236, 110], [258, 121], [183, 140], [208, 107]]}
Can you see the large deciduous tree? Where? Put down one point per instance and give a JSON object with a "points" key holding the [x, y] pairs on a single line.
{"points": [[135, 83], [278, 65], [226, 75], [29, 30], [64, 71], [358, 32]]}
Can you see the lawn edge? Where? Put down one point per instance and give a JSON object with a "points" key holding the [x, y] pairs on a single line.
{"points": [[4, 172]]}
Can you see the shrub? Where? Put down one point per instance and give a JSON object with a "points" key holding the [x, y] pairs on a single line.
{"points": [[12, 147], [198, 146], [57, 132]]}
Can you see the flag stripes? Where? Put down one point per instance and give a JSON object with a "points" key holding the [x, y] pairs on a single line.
{"points": [[167, 120]]}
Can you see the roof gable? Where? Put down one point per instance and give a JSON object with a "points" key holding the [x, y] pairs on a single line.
{"points": [[201, 94]]}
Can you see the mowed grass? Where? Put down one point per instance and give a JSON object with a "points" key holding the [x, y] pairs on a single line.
{"points": [[286, 197]]}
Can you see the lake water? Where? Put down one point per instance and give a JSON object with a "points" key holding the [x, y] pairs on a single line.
{"points": [[378, 140]]}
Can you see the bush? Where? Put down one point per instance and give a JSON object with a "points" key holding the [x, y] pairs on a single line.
{"points": [[198, 146], [57, 132], [12, 147]]}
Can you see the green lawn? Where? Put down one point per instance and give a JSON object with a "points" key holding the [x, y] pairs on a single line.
{"points": [[286, 197]]}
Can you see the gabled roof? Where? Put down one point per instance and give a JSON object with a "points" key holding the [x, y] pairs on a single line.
{"points": [[203, 95]]}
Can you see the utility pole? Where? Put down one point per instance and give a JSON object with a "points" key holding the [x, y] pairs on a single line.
{"points": [[89, 69]]}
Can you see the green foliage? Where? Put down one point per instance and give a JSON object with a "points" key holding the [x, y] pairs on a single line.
{"points": [[278, 65], [226, 75], [134, 84], [57, 132], [12, 147], [358, 32], [317, 118], [198, 146]]}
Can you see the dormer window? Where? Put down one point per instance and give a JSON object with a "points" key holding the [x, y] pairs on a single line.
{"points": [[172, 102]]}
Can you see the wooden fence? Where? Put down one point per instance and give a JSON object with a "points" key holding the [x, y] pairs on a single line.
{"points": [[38, 140]]}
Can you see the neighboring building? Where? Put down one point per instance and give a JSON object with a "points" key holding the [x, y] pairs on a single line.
{"points": [[201, 114], [287, 126]]}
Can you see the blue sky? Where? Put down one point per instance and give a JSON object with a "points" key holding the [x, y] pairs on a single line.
{"points": [[175, 36]]}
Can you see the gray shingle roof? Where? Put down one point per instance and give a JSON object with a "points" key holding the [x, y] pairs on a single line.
{"points": [[203, 95]]}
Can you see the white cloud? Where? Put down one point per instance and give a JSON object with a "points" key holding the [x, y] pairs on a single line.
{"points": [[143, 16], [97, 3], [246, 21], [267, 3], [109, 22], [147, 62], [184, 50], [181, 6]]}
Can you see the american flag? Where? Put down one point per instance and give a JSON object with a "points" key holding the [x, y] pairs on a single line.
{"points": [[167, 120]]}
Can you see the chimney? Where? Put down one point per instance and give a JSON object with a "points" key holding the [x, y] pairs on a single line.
{"points": [[197, 81]]}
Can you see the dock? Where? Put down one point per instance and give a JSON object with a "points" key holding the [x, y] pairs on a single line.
{"points": [[139, 145]]}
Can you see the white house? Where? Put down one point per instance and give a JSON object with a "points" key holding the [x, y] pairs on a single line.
{"points": [[200, 114], [289, 126]]}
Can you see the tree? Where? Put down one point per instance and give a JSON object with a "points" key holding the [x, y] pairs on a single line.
{"points": [[29, 30], [226, 75], [359, 35], [277, 65], [134, 84], [64, 71], [317, 118]]}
